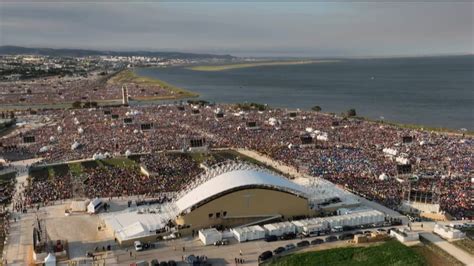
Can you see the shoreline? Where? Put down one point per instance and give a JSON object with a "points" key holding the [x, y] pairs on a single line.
{"points": [[130, 76], [212, 68]]}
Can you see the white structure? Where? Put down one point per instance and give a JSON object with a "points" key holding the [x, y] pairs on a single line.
{"points": [[448, 232], [209, 186], [415, 206], [94, 205], [75, 145], [124, 95], [50, 260], [209, 236], [129, 225], [390, 151], [404, 235], [356, 218], [322, 137], [278, 229], [402, 160], [249, 233], [383, 177]]}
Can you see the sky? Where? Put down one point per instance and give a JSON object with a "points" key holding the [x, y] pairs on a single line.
{"points": [[244, 28]]}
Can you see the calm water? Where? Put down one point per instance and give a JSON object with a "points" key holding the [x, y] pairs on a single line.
{"points": [[428, 91]]}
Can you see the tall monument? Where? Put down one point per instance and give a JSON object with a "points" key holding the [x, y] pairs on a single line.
{"points": [[124, 95]]}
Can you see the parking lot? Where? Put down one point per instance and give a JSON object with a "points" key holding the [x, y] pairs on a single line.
{"points": [[220, 255]]}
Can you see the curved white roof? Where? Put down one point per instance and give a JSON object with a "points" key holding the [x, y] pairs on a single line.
{"points": [[235, 179]]}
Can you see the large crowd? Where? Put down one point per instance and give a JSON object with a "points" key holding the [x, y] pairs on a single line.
{"points": [[59, 89], [348, 152]]}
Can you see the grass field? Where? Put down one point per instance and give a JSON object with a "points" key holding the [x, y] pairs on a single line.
{"points": [[434, 255], [465, 244], [257, 64], [128, 76], [388, 253]]}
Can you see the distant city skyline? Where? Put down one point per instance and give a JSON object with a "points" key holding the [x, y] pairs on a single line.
{"points": [[339, 29]]}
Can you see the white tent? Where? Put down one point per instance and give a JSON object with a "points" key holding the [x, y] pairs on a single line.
{"points": [[132, 231], [44, 149], [209, 236], [390, 151], [94, 205], [75, 145], [278, 229], [383, 177], [98, 156], [323, 136], [80, 130], [402, 160], [243, 234], [50, 260]]}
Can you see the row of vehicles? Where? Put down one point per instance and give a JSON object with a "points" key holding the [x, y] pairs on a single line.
{"points": [[139, 246], [304, 243], [155, 262]]}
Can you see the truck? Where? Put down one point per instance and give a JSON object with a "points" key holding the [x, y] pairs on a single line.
{"points": [[313, 229]]}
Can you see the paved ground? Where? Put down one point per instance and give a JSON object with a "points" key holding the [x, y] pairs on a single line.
{"points": [[223, 255], [20, 239]]}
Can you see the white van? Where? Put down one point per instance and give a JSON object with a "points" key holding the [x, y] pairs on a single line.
{"points": [[138, 245]]}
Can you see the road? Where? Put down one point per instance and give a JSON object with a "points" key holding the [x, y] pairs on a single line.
{"points": [[19, 242]]}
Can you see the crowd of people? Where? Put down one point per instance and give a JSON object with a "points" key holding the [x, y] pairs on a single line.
{"points": [[58, 89], [349, 152]]}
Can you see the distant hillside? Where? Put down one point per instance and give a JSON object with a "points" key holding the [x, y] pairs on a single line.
{"points": [[17, 50]]}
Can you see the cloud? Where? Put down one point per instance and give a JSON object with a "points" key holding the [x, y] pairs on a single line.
{"points": [[312, 29]]}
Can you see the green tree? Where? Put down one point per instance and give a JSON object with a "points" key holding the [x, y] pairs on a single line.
{"points": [[351, 112], [316, 108], [76, 104]]}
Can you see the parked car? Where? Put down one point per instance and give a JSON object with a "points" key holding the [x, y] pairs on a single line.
{"points": [[140, 263], [358, 233], [288, 236], [347, 236], [330, 239], [367, 232], [468, 225], [303, 243], [271, 238], [290, 246], [278, 250], [138, 245], [381, 230], [222, 242], [265, 256], [317, 241], [169, 237]]}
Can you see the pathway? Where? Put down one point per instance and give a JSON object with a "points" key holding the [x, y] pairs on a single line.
{"points": [[454, 251]]}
